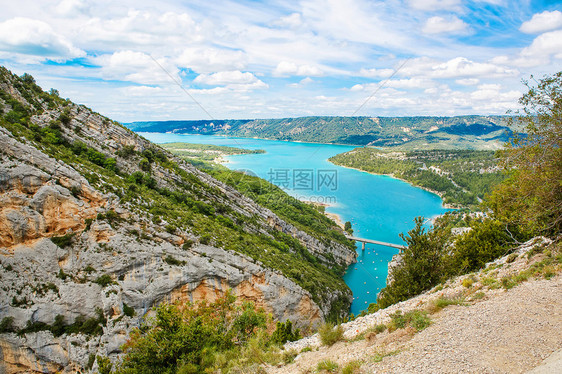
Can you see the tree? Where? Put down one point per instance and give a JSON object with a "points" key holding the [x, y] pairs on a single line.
{"points": [[532, 195], [421, 264]]}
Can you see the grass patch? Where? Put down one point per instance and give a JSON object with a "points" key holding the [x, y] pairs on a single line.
{"points": [[379, 356], [327, 366], [330, 334], [417, 319], [352, 367], [444, 302]]}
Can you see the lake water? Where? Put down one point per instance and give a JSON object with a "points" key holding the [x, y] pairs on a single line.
{"points": [[379, 207]]}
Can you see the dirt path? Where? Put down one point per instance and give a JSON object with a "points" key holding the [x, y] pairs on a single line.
{"points": [[503, 331]]}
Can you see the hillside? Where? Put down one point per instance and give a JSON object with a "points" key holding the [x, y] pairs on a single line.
{"points": [[462, 178], [98, 226], [505, 318], [465, 132]]}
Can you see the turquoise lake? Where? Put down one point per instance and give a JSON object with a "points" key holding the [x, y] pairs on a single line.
{"points": [[379, 207]]}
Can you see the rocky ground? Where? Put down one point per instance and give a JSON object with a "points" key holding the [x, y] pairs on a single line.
{"points": [[499, 327]]}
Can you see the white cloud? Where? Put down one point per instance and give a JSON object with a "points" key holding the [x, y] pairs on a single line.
{"points": [[354, 21], [458, 67], [545, 45], [231, 80], [375, 73], [71, 7], [492, 92], [468, 81], [140, 90], [409, 83], [137, 67], [226, 77], [208, 60], [450, 25], [286, 68], [541, 22], [36, 38], [141, 30], [432, 5], [293, 20], [303, 82]]}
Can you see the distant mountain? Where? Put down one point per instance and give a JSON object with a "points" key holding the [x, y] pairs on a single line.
{"points": [[471, 132]]}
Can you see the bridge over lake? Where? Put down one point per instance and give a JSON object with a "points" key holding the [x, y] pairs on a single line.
{"points": [[364, 241]]}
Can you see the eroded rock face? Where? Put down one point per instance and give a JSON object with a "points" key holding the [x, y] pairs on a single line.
{"points": [[33, 206]]}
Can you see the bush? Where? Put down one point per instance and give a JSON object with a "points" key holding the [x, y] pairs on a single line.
{"points": [[327, 366], [173, 261], [415, 318], [197, 338], [104, 280], [284, 333], [329, 334], [128, 311], [351, 367], [7, 325], [62, 241], [443, 302]]}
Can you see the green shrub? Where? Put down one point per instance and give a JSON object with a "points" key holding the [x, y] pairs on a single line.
{"points": [[508, 283], [330, 334], [7, 325], [327, 366], [128, 311], [170, 260], [444, 302], [467, 282], [63, 241], [351, 367], [202, 337], [284, 333], [104, 280]]}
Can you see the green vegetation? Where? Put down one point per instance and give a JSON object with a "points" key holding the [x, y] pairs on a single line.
{"points": [[351, 367], [105, 280], [327, 366], [92, 326], [527, 203], [63, 241], [330, 334], [462, 178], [532, 196], [202, 337], [197, 153], [466, 132], [415, 318], [284, 333]]}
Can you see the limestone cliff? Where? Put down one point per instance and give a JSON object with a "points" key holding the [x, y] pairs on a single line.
{"points": [[98, 225]]}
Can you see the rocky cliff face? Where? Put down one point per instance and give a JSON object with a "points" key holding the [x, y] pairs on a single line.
{"points": [[89, 243]]}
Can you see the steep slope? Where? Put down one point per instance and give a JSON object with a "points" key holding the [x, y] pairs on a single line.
{"points": [[98, 225], [463, 132], [505, 318]]}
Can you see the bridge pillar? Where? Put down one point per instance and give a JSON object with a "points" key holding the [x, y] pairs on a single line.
{"points": [[362, 246]]}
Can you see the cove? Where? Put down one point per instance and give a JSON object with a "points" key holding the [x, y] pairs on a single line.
{"points": [[379, 207]]}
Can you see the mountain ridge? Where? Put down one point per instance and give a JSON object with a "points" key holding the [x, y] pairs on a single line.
{"points": [[471, 131]]}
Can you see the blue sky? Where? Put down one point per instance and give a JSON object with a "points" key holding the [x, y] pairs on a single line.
{"points": [[277, 58]]}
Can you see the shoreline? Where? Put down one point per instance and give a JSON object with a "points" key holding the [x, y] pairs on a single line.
{"points": [[445, 205], [333, 216]]}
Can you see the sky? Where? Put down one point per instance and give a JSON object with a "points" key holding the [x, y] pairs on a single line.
{"points": [[161, 60]]}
